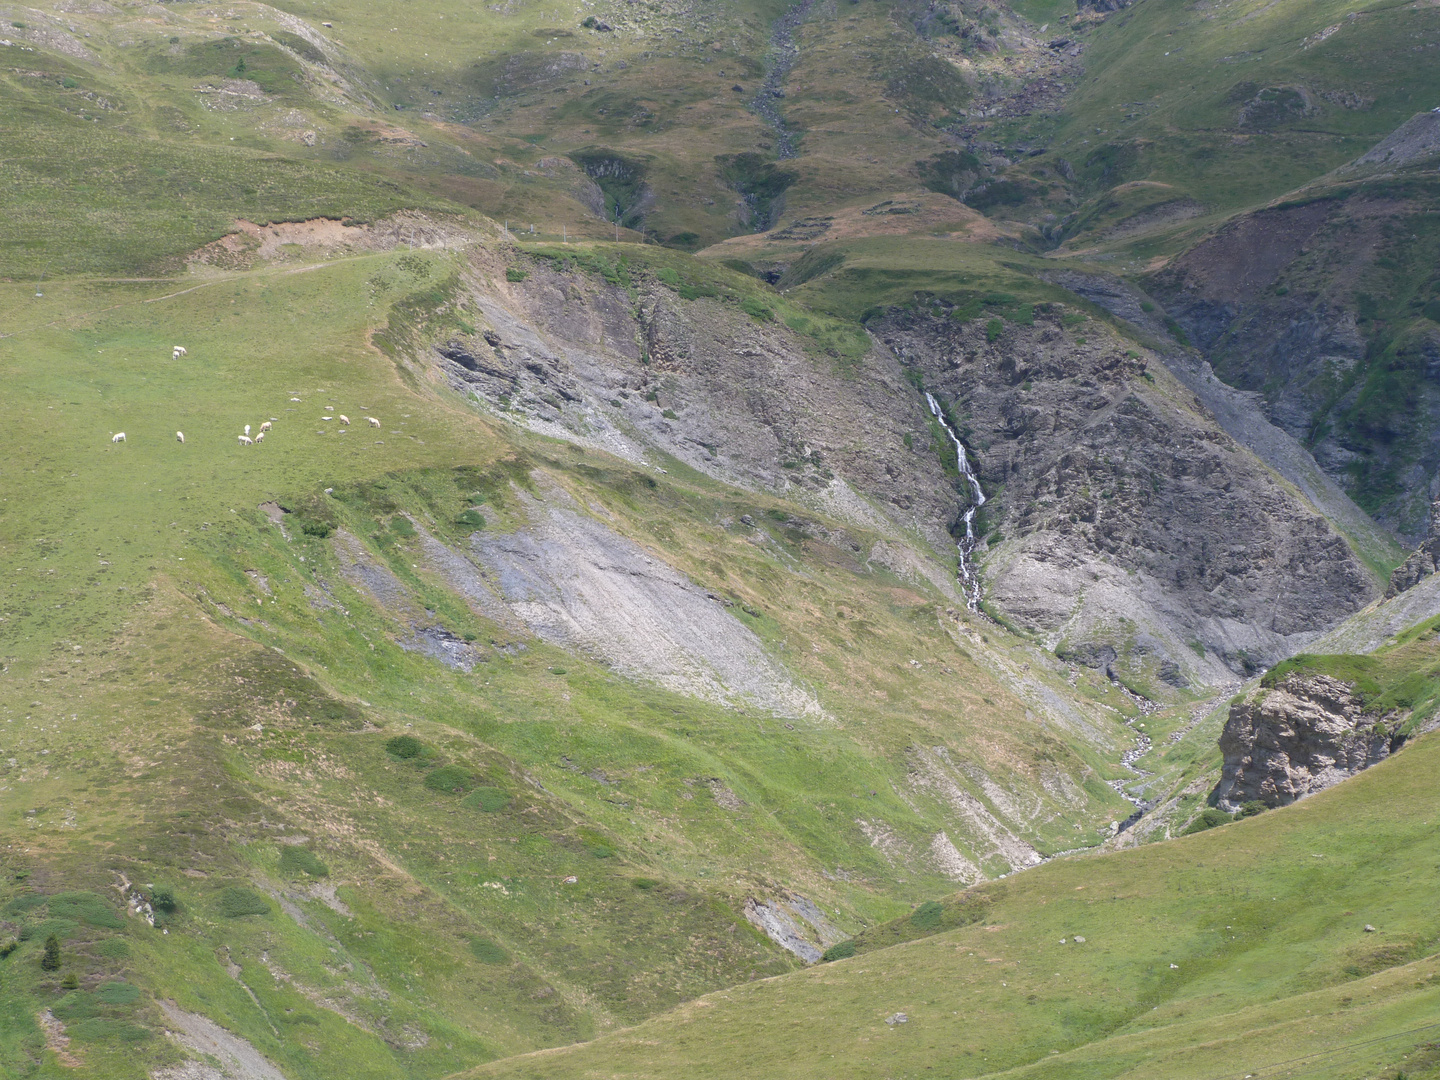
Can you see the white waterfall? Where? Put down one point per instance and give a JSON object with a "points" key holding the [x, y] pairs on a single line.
{"points": [[969, 578]]}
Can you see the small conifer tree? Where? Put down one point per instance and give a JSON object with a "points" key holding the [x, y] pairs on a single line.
{"points": [[51, 960]]}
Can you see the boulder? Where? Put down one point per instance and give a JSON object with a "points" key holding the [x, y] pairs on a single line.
{"points": [[1307, 733]]}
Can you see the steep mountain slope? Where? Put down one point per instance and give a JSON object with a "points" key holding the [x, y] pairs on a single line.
{"points": [[1246, 949], [534, 525]]}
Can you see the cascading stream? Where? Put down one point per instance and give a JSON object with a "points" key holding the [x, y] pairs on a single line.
{"points": [[969, 576]]}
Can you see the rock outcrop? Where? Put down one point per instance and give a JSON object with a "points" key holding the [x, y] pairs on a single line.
{"points": [[1123, 525], [1284, 303], [1306, 734], [1422, 561]]}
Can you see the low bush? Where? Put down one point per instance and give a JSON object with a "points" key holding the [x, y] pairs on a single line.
{"points": [[993, 329], [488, 799], [298, 860], [404, 747], [236, 902], [471, 518], [487, 952], [450, 778], [840, 950], [1209, 819], [926, 916], [515, 274], [163, 900]]}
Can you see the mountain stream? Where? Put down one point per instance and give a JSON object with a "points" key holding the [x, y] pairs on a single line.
{"points": [[783, 54], [969, 576]]}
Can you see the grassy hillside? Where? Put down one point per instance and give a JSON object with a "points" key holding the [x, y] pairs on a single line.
{"points": [[1240, 950], [203, 703]]}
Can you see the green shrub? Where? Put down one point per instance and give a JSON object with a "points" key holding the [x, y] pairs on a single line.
{"points": [[112, 949], [602, 851], [163, 900], [993, 329], [926, 916], [487, 952], [297, 860], [318, 529], [471, 518], [1208, 820], [1146, 306], [236, 901], [514, 273], [401, 526], [757, 309], [71, 981], [404, 747], [488, 799], [1253, 807], [450, 778], [840, 950], [645, 883], [669, 414], [10, 945]]}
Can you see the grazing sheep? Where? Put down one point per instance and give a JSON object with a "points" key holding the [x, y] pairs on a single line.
{"points": [[344, 419], [373, 422], [180, 437], [260, 436], [247, 429], [177, 352], [245, 440], [119, 436], [265, 426]]}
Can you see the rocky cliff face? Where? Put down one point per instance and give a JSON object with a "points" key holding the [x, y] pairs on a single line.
{"points": [[748, 402], [1122, 522], [1308, 733], [1422, 562], [1327, 310]]}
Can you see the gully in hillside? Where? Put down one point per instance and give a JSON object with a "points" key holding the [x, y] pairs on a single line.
{"points": [[969, 577]]}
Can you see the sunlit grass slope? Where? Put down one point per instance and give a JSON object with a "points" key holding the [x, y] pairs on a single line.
{"points": [[1219, 954], [191, 694]]}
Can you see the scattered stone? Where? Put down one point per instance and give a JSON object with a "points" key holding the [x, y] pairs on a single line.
{"points": [[898, 1018]]}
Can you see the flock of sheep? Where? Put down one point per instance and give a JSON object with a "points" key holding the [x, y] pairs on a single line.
{"points": [[245, 440]]}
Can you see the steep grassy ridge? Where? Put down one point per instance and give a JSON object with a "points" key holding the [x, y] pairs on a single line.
{"points": [[1219, 954]]}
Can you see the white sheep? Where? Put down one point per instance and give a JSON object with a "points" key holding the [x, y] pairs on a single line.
{"points": [[245, 440], [265, 426], [178, 351], [260, 436], [373, 422], [180, 437], [119, 436], [344, 419], [247, 429]]}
